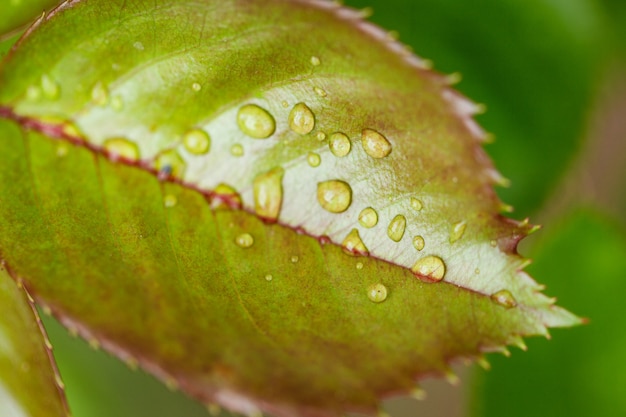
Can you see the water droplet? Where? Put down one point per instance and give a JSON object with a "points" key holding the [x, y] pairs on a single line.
{"points": [[375, 144], [319, 91], [368, 217], [170, 200], [49, 87], [117, 103], [314, 159], [100, 94], [33, 93], [396, 228], [334, 195], [268, 193], [320, 136], [315, 61], [196, 86], [477, 271], [284, 103], [255, 121], [493, 243], [353, 245], [225, 197], [62, 149], [170, 164], [418, 242], [377, 293], [121, 148], [138, 45], [197, 141], [236, 150], [295, 259], [359, 265], [244, 240], [268, 277], [504, 298], [339, 144], [416, 204], [301, 119], [457, 230], [430, 269]]}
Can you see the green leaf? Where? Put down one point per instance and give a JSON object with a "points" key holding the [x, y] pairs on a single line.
{"points": [[268, 204], [16, 13], [29, 384]]}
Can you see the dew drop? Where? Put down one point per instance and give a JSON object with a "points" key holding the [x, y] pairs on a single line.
{"points": [[268, 193], [429, 269], [353, 245], [477, 271], [100, 94], [196, 86], [117, 103], [197, 141], [244, 240], [315, 61], [62, 150], [301, 119], [255, 121], [236, 150], [170, 164], [359, 265], [225, 197], [50, 88], [320, 136], [375, 144], [33, 93], [504, 298], [368, 217], [418, 242], [139, 46], [457, 230], [377, 293], [319, 91], [284, 103], [295, 259], [339, 144], [121, 148], [396, 228], [334, 196], [416, 204], [170, 200], [493, 243], [313, 159], [268, 277]]}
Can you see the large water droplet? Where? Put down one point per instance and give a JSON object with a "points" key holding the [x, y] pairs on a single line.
{"points": [[313, 159], [197, 141], [396, 228], [244, 240], [418, 242], [334, 195], [225, 197], [339, 144], [121, 148], [416, 204], [375, 144], [377, 293], [268, 193], [457, 230], [50, 88], [170, 164], [430, 269], [301, 119], [255, 121], [353, 245], [504, 298], [100, 94], [368, 217]]}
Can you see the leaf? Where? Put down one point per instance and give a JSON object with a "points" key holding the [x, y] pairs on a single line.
{"points": [[29, 385], [18, 13], [184, 203]]}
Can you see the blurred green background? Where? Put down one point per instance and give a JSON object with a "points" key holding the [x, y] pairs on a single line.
{"points": [[552, 74]]}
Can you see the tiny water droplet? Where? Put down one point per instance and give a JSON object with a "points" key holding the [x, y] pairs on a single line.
{"points": [[33, 93], [244, 240], [295, 259], [375, 144], [334, 196], [353, 245], [320, 136], [49, 87], [504, 298], [313, 159], [170, 200], [117, 103], [418, 242], [359, 265], [319, 91], [301, 119], [170, 164], [196, 86], [477, 271], [493, 243], [315, 61], [368, 217], [430, 269], [197, 141], [339, 144], [139, 46], [268, 193], [255, 121], [268, 277], [284, 103], [62, 150], [100, 94], [396, 228], [121, 148], [236, 150], [377, 293], [225, 197], [457, 230], [416, 204]]}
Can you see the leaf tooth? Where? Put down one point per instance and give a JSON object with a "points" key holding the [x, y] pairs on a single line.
{"points": [[452, 377], [517, 340], [483, 363], [213, 409], [418, 393]]}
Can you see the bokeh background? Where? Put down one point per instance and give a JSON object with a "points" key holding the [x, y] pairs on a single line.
{"points": [[552, 75]]}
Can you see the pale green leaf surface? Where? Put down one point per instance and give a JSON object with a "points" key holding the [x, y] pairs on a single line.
{"points": [[136, 254]]}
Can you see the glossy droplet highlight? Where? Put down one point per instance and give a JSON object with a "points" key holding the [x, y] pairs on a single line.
{"points": [[244, 240], [377, 293], [457, 230], [301, 119], [197, 141], [430, 269], [170, 200], [334, 196], [418, 242], [396, 228], [121, 148], [100, 94], [295, 259], [50, 88], [315, 61], [320, 136], [196, 86], [170, 164], [256, 122], [313, 159], [236, 150], [268, 193], [375, 144], [268, 277], [339, 144], [416, 204], [368, 217], [353, 245], [504, 298]]}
